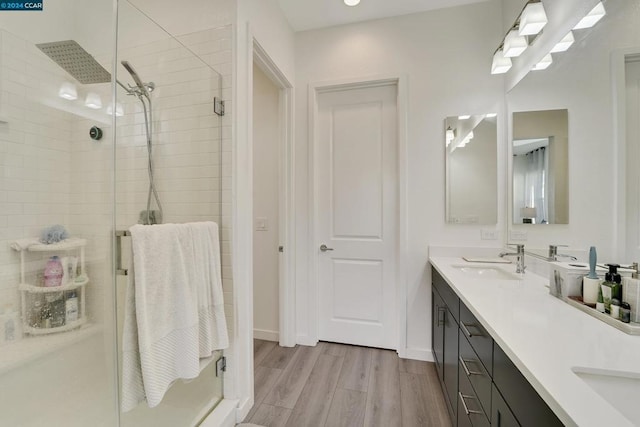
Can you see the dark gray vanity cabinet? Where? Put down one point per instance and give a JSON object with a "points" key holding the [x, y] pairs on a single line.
{"points": [[481, 385], [446, 311]]}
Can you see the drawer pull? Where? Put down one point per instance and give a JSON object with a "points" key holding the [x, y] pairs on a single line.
{"points": [[466, 369], [465, 329], [464, 404], [441, 319]]}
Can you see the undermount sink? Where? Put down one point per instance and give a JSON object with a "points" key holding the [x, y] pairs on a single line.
{"points": [[486, 272], [620, 389]]}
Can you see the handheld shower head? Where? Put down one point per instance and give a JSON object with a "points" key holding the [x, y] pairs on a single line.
{"points": [[133, 73]]}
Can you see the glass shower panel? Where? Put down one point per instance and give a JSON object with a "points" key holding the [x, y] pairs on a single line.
{"points": [[186, 147], [57, 328]]}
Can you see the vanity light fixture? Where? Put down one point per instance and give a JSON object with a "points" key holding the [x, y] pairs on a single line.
{"points": [[93, 101], [564, 44], [533, 19], [464, 117], [119, 110], [544, 63], [514, 44], [351, 2], [592, 17], [450, 135], [68, 91], [500, 64]]}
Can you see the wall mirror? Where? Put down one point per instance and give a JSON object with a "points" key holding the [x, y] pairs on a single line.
{"points": [[471, 169], [540, 148]]}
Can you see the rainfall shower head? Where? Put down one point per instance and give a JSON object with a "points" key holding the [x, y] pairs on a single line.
{"points": [[76, 61]]}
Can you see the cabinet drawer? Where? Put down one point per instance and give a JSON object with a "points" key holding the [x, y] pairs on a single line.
{"points": [[501, 415], [478, 337], [474, 372], [448, 295], [525, 403], [469, 407]]}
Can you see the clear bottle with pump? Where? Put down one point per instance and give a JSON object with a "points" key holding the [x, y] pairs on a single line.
{"points": [[611, 287]]}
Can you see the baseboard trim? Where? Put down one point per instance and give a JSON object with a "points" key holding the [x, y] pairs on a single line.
{"points": [[223, 416], [243, 410], [418, 354], [262, 334]]}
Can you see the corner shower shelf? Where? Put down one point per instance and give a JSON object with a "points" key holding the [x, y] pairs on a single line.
{"points": [[78, 284]]}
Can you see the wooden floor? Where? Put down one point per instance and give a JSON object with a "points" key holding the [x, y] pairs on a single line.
{"points": [[338, 385]]}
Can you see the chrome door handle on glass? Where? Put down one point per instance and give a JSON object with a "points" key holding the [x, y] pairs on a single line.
{"points": [[324, 248]]}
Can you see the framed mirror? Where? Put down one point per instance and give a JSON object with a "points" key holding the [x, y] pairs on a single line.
{"points": [[471, 169], [540, 148]]}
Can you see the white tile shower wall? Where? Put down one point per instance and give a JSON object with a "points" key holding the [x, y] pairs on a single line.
{"points": [[192, 175], [35, 146]]}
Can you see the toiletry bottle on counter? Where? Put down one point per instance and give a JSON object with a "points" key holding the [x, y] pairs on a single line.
{"points": [[611, 287], [53, 272]]}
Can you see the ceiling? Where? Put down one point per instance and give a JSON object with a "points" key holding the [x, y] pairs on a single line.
{"points": [[313, 14]]}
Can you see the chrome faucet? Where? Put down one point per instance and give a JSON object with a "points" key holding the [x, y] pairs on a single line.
{"points": [[554, 255], [520, 267]]}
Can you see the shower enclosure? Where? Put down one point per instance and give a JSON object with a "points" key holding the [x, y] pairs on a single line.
{"points": [[96, 148]]}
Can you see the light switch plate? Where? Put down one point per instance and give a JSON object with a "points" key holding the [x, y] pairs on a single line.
{"points": [[261, 224], [486, 234], [518, 235]]}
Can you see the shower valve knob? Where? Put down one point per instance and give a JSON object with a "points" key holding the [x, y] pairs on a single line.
{"points": [[95, 133]]}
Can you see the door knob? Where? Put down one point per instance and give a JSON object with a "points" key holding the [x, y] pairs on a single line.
{"points": [[324, 248]]}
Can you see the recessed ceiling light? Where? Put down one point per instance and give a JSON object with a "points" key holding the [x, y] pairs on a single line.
{"points": [[351, 2], [592, 17], [564, 44]]}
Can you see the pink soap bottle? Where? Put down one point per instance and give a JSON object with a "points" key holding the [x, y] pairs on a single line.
{"points": [[53, 272]]}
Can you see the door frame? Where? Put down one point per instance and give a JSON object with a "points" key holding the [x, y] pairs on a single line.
{"points": [[286, 191], [314, 90], [619, 81]]}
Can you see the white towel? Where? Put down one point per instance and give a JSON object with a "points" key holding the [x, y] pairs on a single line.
{"points": [[174, 315]]}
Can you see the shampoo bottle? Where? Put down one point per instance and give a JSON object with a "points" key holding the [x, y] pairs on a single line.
{"points": [[53, 272], [611, 287], [71, 307]]}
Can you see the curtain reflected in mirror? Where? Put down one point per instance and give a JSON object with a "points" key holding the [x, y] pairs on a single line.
{"points": [[540, 167], [471, 168]]}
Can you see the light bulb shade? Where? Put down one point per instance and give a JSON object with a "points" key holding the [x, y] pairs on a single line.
{"points": [[500, 64], [532, 20], [514, 44], [464, 117], [119, 110], [351, 2], [93, 101], [68, 91], [544, 63], [449, 135], [592, 17], [491, 115], [564, 44]]}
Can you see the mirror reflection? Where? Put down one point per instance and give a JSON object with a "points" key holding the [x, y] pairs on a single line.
{"points": [[540, 167], [471, 169]]}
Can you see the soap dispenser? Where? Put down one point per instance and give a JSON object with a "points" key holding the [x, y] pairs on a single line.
{"points": [[611, 287]]}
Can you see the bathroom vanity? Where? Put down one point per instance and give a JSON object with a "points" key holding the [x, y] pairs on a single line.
{"points": [[509, 354]]}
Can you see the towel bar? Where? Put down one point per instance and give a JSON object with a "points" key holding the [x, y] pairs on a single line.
{"points": [[119, 235]]}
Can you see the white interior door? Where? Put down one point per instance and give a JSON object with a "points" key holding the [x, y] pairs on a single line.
{"points": [[633, 159], [357, 214]]}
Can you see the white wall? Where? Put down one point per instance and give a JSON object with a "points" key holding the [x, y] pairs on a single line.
{"points": [[581, 81], [446, 56], [265, 205], [264, 21]]}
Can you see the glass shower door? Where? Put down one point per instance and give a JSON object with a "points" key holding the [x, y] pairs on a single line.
{"points": [[57, 328], [175, 125]]}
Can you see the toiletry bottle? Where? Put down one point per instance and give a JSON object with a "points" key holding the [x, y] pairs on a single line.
{"points": [[35, 319], [53, 272], [600, 302], [625, 312], [615, 308], [71, 307], [611, 287]]}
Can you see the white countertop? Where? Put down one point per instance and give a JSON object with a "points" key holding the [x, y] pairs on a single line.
{"points": [[545, 338]]}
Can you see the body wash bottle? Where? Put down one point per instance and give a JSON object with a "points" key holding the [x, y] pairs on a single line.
{"points": [[611, 287]]}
